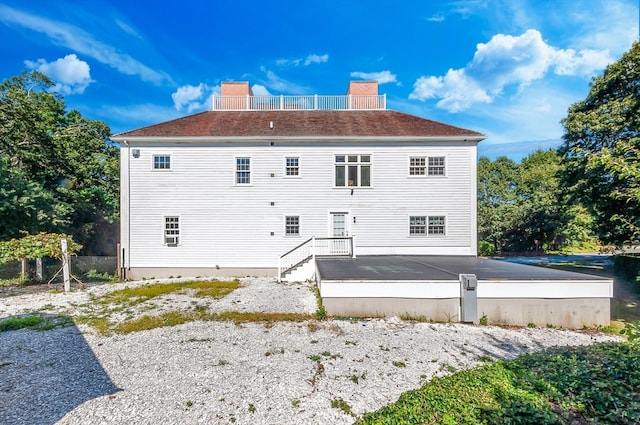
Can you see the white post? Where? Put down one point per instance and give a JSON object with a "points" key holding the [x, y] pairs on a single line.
{"points": [[65, 265], [279, 268], [39, 275], [353, 246]]}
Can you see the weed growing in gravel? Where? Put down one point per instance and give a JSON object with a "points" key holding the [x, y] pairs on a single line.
{"points": [[34, 322], [354, 343], [399, 364], [140, 294], [295, 403], [252, 408], [339, 403], [356, 378], [179, 317]]}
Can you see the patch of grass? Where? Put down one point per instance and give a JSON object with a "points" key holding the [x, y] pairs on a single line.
{"points": [[339, 403], [34, 322], [140, 294], [590, 384], [411, 318], [179, 317]]}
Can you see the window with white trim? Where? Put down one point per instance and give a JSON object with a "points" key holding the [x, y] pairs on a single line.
{"points": [[436, 225], [421, 225], [161, 162], [292, 166], [436, 166], [292, 225], [243, 170], [418, 166], [353, 170], [171, 230]]}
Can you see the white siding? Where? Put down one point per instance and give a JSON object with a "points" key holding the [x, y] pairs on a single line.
{"points": [[230, 226]]}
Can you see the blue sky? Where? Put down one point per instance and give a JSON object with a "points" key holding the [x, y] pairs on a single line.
{"points": [[507, 68]]}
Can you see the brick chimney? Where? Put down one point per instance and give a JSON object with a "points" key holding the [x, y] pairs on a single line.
{"points": [[233, 94], [235, 88], [363, 88], [363, 94]]}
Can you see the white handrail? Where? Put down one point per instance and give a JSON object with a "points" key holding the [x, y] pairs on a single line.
{"points": [[298, 103]]}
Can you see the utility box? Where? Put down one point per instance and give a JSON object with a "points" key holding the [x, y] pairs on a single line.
{"points": [[469, 298]]}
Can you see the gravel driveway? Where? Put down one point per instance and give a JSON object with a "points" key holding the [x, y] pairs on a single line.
{"points": [[219, 372]]}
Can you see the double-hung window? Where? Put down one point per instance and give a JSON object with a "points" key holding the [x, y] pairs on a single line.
{"points": [[243, 170], [418, 166], [292, 225], [292, 166], [427, 166], [436, 166], [161, 162], [421, 225], [171, 230], [436, 225], [353, 170]]}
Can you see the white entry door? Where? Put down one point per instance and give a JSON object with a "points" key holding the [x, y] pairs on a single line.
{"points": [[339, 229]]}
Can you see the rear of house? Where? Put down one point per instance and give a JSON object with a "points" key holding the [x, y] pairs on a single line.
{"points": [[229, 191]]}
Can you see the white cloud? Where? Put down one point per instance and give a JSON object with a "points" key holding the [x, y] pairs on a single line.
{"points": [[310, 59], [260, 90], [316, 59], [192, 98], [505, 61], [383, 77], [71, 75], [82, 42], [436, 18], [279, 84]]}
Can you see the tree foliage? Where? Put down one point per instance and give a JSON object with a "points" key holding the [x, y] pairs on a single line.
{"points": [[601, 150], [521, 207], [59, 173], [36, 246]]}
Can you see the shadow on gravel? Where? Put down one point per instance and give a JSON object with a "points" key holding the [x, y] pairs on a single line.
{"points": [[46, 374]]}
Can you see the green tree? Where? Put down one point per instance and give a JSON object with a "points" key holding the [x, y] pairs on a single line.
{"points": [[58, 170], [539, 198], [498, 204], [601, 151]]}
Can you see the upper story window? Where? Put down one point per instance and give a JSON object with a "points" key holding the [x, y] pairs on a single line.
{"points": [[353, 170], [161, 162], [171, 230], [436, 166], [292, 166], [427, 166], [418, 166], [243, 170]]}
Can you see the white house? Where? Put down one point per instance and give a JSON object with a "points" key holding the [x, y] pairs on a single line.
{"points": [[231, 190]]}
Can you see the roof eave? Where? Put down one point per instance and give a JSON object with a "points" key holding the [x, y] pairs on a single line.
{"points": [[470, 138]]}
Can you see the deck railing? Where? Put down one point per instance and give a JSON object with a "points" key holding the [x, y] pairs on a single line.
{"points": [[298, 103], [312, 248]]}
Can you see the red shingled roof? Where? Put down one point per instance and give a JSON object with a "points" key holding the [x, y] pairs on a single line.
{"points": [[318, 123]]}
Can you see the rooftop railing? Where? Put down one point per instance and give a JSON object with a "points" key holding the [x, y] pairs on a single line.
{"points": [[299, 103]]}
